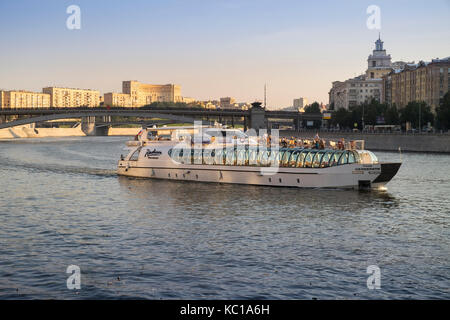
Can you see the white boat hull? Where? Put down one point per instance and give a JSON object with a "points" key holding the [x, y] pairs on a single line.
{"points": [[348, 176]]}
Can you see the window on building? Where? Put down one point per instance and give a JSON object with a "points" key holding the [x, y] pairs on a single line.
{"points": [[374, 63]]}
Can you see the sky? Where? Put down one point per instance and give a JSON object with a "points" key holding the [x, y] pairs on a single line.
{"points": [[212, 48]]}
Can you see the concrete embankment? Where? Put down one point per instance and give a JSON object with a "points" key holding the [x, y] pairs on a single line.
{"points": [[385, 142], [123, 131], [30, 132]]}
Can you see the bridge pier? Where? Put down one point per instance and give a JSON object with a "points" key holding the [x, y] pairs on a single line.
{"points": [[88, 126], [297, 124], [257, 117]]}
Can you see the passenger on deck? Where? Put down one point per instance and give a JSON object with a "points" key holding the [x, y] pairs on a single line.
{"points": [[316, 144], [322, 144], [292, 142], [341, 144]]}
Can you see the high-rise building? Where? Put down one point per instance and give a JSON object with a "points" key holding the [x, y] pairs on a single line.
{"points": [[24, 99], [424, 81], [300, 104], [70, 98]]}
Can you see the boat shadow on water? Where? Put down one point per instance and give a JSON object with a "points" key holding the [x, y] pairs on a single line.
{"points": [[187, 193]]}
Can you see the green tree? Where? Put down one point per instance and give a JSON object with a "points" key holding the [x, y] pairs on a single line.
{"points": [[410, 113], [392, 115], [443, 112], [313, 108], [342, 117]]}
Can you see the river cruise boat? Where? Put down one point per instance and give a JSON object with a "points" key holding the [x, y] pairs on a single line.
{"points": [[230, 156]]}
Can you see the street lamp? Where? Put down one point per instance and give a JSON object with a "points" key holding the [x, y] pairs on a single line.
{"points": [[420, 127], [362, 118]]}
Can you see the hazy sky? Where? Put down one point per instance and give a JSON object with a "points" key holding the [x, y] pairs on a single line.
{"points": [[212, 48]]}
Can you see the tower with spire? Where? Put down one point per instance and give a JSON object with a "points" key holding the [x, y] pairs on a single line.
{"points": [[379, 63]]}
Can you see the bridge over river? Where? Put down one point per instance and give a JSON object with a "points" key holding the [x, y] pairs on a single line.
{"points": [[92, 118]]}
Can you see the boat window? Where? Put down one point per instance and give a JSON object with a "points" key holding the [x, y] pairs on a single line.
{"points": [[246, 157], [285, 158], [264, 157], [373, 157], [357, 157], [326, 159], [252, 156], [240, 161], [135, 155], [335, 158], [218, 157], [197, 158], [152, 135], [260, 156], [301, 158], [351, 157], [317, 158], [175, 154], [185, 156], [273, 158], [293, 158], [344, 158], [208, 155], [281, 157], [230, 156], [308, 159]]}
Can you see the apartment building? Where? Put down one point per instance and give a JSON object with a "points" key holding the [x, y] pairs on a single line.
{"points": [[113, 99], [23, 99], [71, 97], [424, 81]]}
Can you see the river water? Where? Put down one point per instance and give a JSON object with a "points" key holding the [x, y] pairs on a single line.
{"points": [[62, 204]]}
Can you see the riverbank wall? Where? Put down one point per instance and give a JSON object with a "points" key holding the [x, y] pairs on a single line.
{"points": [[31, 132], [439, 143]]}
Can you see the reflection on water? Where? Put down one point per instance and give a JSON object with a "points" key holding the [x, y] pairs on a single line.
{"points": [[62, 203], [209, 194]]}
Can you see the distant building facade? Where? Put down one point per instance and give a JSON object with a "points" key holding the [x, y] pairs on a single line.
{"points": [[355, 91], [136, 94], [113, 99], [23, 99], [365, 87], [425, 81], [300, 104], [143, 94], [227, 103], [70, 97]]}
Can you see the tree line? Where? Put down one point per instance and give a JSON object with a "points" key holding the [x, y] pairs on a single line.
{"points": [[376, 113]]}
